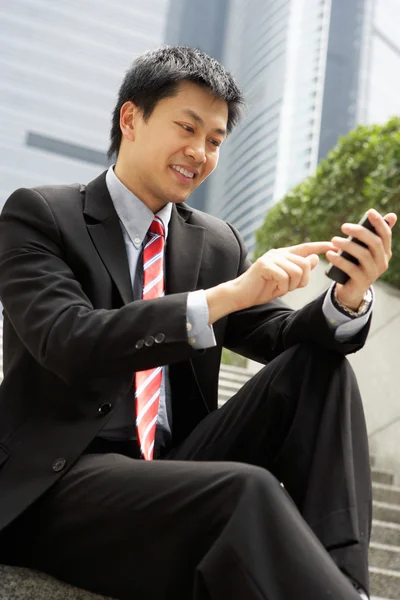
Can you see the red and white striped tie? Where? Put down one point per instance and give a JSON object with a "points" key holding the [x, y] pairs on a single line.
{"points": [[148, 383]]}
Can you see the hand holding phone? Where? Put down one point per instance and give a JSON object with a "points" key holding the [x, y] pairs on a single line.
{"points": [[337, 274]]}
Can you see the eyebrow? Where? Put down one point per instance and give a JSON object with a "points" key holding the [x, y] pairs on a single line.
{"points": [[200, 121]]}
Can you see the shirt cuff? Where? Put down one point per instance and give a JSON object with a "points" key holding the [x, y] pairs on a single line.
{"points": [[343, 325], [200, 333]]}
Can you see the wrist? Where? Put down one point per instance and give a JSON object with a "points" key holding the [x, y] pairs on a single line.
{"points": [[354, 308], [353, 304], [220, 300]]}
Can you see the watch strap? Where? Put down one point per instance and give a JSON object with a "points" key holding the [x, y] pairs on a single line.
{"points": [[354, 314]]}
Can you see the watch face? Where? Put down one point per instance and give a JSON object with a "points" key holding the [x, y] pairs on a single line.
{"points": [[366, 302], [368, 296], [363, 308]]}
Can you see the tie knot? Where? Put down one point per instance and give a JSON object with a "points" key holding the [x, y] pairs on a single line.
{"points": [[157, 227]]}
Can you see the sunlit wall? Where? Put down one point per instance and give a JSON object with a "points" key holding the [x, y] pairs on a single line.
{"points": [[380, 81]]}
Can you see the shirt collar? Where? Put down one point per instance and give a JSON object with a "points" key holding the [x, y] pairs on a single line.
{"points": [[134, 215]]}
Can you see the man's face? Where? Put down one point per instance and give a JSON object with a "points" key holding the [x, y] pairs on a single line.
{"points": [[166, 158]]}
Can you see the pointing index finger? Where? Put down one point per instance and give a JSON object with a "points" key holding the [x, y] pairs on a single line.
{"points": [[309, 248]]}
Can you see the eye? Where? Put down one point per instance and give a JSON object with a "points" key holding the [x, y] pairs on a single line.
{"points": [[215, 143], [187, 128]]}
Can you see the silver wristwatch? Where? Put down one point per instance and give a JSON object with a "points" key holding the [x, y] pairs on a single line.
{"points": [[362, 309]]}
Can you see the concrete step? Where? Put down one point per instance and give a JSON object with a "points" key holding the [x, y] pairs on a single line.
{"points": [[384, 511], [235, 370], [384, 556], [237, 378], [231, 379], [383, 492], [228, 384], [239, 371], [221, 403], [224, 395], [385, 533], [381, 476], [385, 583], [232, 386]]}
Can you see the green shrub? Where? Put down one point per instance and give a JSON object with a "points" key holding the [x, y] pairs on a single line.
{"points": [[362, 171], [233, 359]]}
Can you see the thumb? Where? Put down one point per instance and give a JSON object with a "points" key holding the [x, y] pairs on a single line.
{"points": [[391, 219], [313, 259]]}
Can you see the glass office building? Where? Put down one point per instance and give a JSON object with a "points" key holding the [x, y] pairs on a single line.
{"points": [[276, 49], [201, 25], [311, 70], [61, 64]]}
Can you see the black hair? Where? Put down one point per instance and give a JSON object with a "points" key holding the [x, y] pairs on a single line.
{"points": [[157, 74]]}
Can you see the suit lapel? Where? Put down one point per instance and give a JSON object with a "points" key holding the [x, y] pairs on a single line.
{"points": [[183, 262], [184, 245], [184, 251], [105, 230]]}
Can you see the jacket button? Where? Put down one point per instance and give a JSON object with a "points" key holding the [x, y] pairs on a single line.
{"points": [[105, 408], [159, 339], [59, 464], [149, 341], [139, 344]]}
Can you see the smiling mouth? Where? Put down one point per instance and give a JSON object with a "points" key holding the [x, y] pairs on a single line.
{"points": [[187, 175]]}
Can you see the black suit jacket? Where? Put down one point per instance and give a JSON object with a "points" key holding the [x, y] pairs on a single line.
{"points": [[73, 335]]}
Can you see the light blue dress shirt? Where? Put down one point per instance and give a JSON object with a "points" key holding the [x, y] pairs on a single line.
{"points": [[135, 219]]}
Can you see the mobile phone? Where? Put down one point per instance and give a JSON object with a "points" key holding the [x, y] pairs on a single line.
{"points": [[337, 274]]}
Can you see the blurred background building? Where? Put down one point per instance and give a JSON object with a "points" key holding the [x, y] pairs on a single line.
{"points": [[311, 70], [202, 25], [61, 64]]}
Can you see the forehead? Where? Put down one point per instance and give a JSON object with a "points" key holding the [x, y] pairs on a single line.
{"points": [[191, 97]]}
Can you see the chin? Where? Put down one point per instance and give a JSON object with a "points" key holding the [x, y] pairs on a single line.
{"points": [[179, 198]]}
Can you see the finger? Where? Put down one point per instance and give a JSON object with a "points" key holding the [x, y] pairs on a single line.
{"points": [[306, 265], [313, 259], [380, 222], [294, 271], [355, 272], [362, 254], [373, 241], [371, 265], [309, 248], [382, 239], [271, 271], [382, 228], [391, 219]]}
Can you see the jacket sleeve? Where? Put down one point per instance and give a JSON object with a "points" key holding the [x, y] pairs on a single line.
{"points": [[263, 332], [54, 318]]}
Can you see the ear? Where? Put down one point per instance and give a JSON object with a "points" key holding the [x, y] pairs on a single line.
{"points": [[127, 120]]}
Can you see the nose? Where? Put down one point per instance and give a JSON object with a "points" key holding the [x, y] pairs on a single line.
{"points": [[196, 151]]}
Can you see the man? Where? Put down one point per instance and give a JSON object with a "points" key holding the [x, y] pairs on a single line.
{"points": [[117, 472]]}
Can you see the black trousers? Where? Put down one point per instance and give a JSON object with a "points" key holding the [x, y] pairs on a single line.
{"points": [[212, 520]]}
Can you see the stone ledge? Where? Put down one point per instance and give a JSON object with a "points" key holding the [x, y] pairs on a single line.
{"points": [[18, 583]]}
